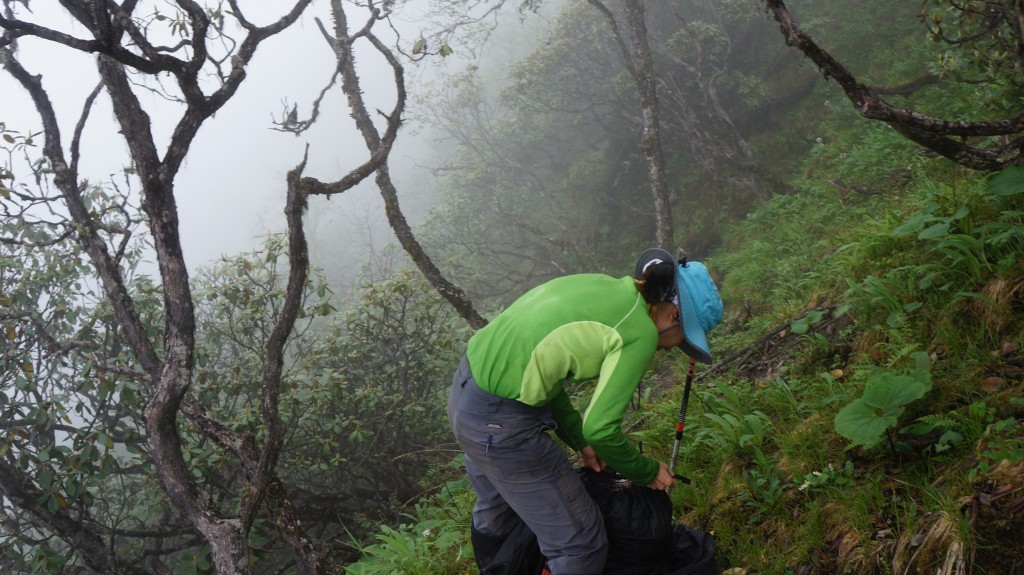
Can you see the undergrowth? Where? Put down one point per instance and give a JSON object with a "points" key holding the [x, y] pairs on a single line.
{"points": [[926, 280], [869, 459]]}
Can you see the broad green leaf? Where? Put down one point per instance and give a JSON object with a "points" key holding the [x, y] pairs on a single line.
{"points": [[863, 424], [916, 222], [1007, 182], [886, 391], [948, 440], [802, 325], [866, 419], [934, 231]]}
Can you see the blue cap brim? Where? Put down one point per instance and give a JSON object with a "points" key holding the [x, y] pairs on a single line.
{"points": [[693, 284]]}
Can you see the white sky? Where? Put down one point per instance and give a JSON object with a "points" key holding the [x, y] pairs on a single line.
{"points": [[230, 191]]}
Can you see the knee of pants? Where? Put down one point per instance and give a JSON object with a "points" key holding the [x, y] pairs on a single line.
{"points": [[583, 561]]}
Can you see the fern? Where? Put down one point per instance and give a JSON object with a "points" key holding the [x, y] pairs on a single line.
{"points": [[941, 420], [902, 341]]}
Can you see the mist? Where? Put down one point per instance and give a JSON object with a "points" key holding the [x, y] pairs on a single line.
{"points": [[231, 187]]}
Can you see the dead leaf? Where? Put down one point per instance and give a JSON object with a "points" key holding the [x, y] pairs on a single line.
{"points": [[1006, 369], [991, 384]]}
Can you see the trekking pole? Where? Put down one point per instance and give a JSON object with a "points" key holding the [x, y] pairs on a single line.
{"points": [[681, 424]]}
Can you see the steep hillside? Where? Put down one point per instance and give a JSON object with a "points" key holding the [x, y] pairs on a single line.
{"points": [[863, 414]]}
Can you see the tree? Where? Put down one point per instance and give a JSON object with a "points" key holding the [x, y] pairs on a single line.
{"points": [[219, 471], [160, 361], [698, 73], [516, 189], [636, 53], [975, 144], [68, 387], [548, 176], [341, 41], [363, 402]]}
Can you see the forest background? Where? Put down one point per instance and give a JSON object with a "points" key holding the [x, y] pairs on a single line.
{"points": [[852, 184]]}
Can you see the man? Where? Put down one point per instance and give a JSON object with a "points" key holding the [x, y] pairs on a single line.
{"points": [[508, 393]]}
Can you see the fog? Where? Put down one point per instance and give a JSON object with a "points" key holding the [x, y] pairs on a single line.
{"points": [[230, 191]]}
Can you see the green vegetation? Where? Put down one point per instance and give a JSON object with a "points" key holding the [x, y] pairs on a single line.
{"points": [[865, 413], [781, 453], [865, 416]]}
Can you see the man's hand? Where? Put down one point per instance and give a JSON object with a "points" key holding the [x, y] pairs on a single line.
{"points": [[591, 460], [664, 480]]}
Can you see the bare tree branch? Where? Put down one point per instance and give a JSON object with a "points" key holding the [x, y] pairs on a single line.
{"points": [[948, 138], [380, 147]]}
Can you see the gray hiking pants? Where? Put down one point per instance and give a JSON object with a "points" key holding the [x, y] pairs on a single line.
{"points": [[516, 468]]}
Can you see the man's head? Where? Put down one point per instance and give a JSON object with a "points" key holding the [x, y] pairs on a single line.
{"points": [[692, 294]]}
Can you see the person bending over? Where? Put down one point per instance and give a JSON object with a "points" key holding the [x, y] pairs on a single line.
{"points": [[508, 393]]}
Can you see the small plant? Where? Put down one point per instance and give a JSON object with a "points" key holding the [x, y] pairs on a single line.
{"points": [[803, 325], [830, 478], [434, 542], [957, 428], [894, 294], [1002, 441], [732, 427], [766, 488], [869, 418]]}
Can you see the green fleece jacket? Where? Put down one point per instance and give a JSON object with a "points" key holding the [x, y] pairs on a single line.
{"points": [[575, 328]]}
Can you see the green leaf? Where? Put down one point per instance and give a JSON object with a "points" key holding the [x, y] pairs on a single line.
{"points": [[916, 222], [935, 231], [866, 419], [888, 391], [949, 439], [802, 325], [1008, 182], [863, 424]]}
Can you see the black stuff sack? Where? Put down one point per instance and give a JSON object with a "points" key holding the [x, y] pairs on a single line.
{"points": [[693, 552], [638, 521], [514, 554], [643, 538]]}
